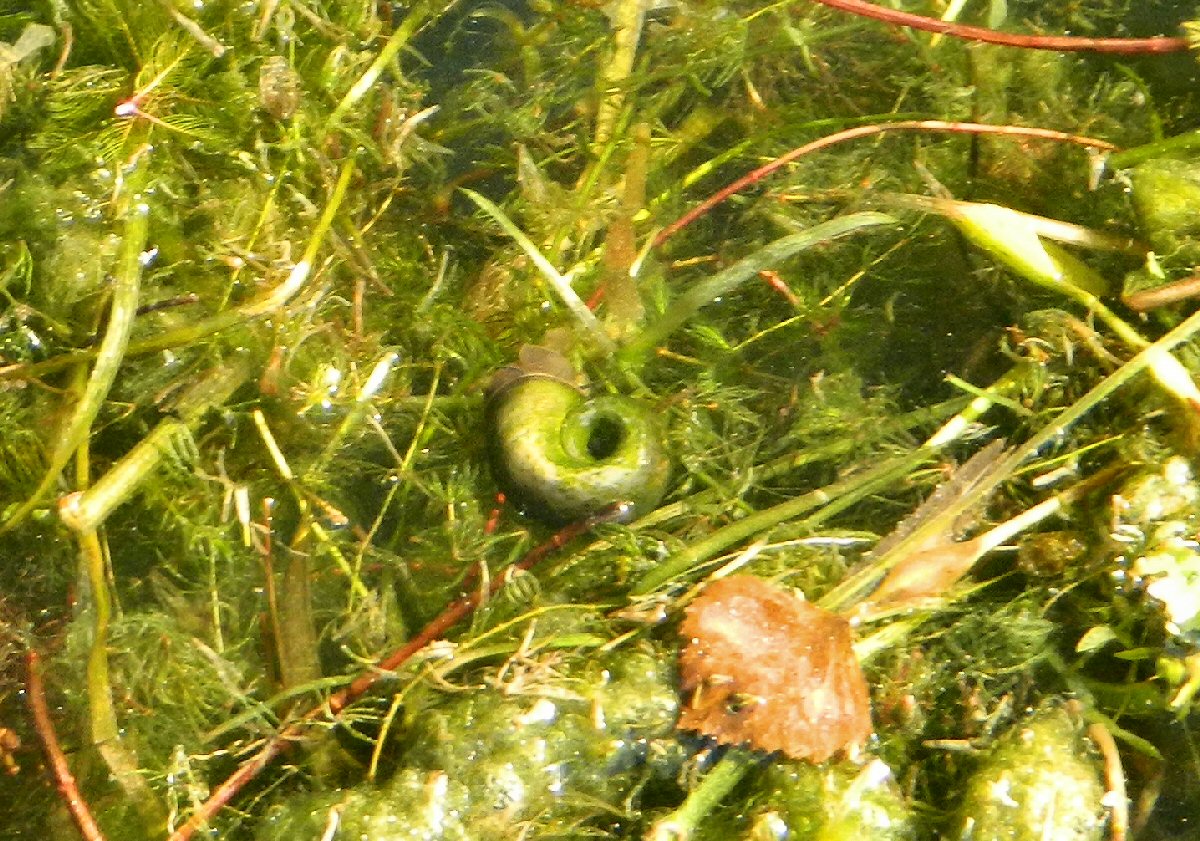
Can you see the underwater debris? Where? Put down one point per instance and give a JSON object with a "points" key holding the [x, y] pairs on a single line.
{"points": [[769, 670], [33, 37]]}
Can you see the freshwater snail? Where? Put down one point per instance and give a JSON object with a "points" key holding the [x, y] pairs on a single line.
{"points": [[563, 455]]}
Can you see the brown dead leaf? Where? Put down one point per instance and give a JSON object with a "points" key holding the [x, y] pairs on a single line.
{"points": [[767, 669]]}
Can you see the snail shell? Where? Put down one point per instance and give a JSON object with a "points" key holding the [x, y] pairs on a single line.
{"points": [[564, 456]]}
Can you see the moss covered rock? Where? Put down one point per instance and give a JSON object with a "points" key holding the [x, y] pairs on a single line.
{"points": [[1041, 780], [841, 801], [1166, 196], [565, 751]]}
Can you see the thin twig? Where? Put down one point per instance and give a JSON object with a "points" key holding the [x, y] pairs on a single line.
{"points": [[64, 780], [1117, 798], [756, 175], [328, 709], [1061, 43], [1161, 296]]}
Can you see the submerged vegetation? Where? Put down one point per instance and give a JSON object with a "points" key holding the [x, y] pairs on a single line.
{"points": [[286, 557]]}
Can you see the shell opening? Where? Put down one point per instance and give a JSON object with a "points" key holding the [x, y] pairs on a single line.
{"points": [[606, 432]]}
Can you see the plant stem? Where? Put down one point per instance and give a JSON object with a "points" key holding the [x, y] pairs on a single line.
{"points": [[725, 281], [627, 31], [108, 359], [682, 823], [1061, 43], [831, 499], [386, 56], [99, 690], [64, 780], [105, 734], [86, 510], [953, 127]]}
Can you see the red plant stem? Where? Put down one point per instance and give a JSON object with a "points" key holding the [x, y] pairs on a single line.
{"points": [[444, 621], [1063, 43], [756, 175], [1161, 296], [64, 780]]}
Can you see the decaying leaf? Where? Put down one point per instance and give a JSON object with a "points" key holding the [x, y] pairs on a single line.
{"points": [[765, 668]]}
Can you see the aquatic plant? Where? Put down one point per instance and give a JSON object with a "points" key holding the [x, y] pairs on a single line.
{"points": [[885, 309]]}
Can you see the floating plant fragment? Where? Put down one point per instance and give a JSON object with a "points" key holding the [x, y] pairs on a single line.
{"points": [[772, 671], [33, 37], [1024, 242]]}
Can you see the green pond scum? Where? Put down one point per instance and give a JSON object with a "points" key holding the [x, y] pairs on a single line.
{"points": [[379, 383]]}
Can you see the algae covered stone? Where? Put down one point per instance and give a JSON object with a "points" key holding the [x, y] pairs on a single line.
{"points": [[1166, 196], [837, 801], [563, 755], [1041, 780], [414, 806]]}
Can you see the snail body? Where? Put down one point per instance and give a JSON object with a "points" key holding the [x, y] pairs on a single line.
{"points": [[564, 456]]}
